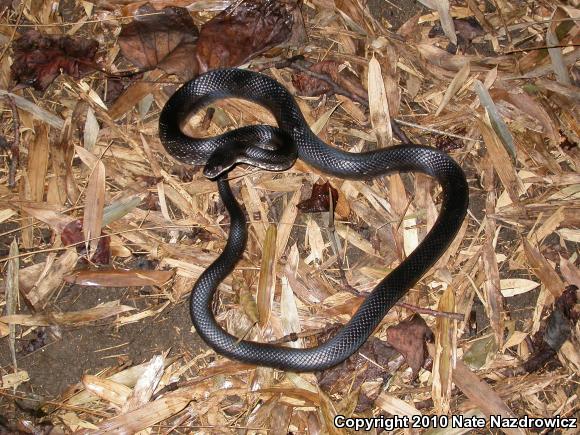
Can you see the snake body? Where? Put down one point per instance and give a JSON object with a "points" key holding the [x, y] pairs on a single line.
{"points": [[275, 149]]}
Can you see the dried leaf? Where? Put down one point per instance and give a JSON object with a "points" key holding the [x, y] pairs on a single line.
{"points": [[315, 242], [542, 269], [12, 290], [267, 279], [409, 337], [99, 312], [328, 414], [119, 278], [39, 59], [311, 86], [395, 406], [491, 289], [482, 395], [162, 39], [106, 389], [91, 130], [454, 86], [555, 53], [247, 300], [516, 286], [242, 31], [319, 200], [286, 224], [145, 416], [94, 206], [497, 122], [442, 6], [502, 163], [146, 385], [43, 289], [72, 234], [13, 380], [570, 272], [445, 353], [38, 162], [289, 312], [322, 121], [378, 105]]}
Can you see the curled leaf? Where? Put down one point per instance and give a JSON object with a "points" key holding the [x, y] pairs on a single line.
{"points": [[309, 85], [72, 234], [243, 31], [39, 59], [163, 39], [319, 200], [409, 337]]}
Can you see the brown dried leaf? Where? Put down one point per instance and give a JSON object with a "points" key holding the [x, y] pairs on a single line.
{"points": [[242, 31], [443, 8], [289, 313], [148, 414], [11, 293], [286, 223], [164, 39], [311, 86], [119, 278], [454, 86], [39, 59], [267, 279], [532, 107], [247, 300], [570, 272], [36, 111], [542, 269], [103, 311], [329, 413], [378, 105], [395, 406], [445, 353], [38, 162], [493, 297], [94, 206], [481, 394], [409, 337], [72, 235], [130, 97], [501, 161], [146, 385], [53, 278], [319, 200], [106, 389]]}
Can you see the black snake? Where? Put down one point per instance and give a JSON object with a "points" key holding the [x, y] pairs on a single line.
{"points": [[276, 149]]}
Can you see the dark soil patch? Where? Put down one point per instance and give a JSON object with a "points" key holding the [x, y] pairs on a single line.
{"points": [[72, 352], [396, 12]]}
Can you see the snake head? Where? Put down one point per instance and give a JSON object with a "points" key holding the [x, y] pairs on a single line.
{"points": [[261, 146], [220, 162]]}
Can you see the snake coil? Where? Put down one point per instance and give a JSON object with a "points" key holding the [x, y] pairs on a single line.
{"points": [[276, 149]]}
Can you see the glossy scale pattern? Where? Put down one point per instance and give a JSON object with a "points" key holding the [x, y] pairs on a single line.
{"points": [[276, 149]]}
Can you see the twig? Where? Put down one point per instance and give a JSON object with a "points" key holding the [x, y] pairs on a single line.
{"points": [[430, 312], [293, 336], [435, 131]]}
